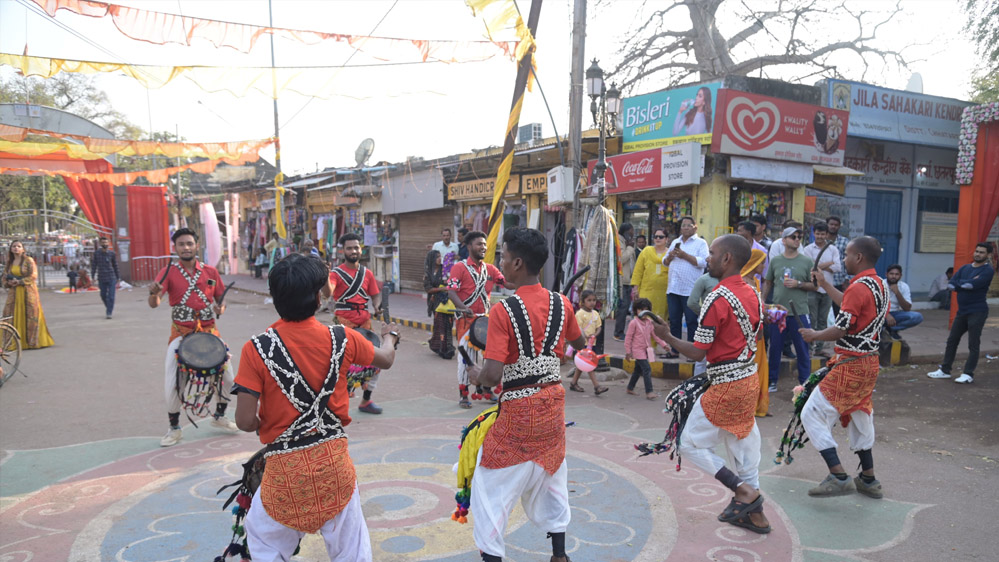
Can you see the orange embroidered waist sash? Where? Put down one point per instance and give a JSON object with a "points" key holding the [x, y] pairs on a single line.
{"points": [[732, 405], [528, 429], [305, 488], [849, 384]]}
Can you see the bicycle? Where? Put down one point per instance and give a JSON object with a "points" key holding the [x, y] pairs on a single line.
{"points": [[10, 349]]}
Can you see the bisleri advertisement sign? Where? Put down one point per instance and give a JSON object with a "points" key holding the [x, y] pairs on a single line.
{"points": [[669, 117]]}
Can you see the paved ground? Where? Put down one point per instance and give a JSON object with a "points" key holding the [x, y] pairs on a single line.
{"points": [[82, 477]]}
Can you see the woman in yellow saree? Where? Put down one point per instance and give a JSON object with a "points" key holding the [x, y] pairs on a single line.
{"points": [[650, 277], [23, 304], [753, 267]]}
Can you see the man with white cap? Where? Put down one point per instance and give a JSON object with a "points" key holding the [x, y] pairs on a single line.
{"points": [[790, 276]]}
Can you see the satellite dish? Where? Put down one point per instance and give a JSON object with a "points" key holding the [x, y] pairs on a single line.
{"points": [[364, 151], [915, 83]]}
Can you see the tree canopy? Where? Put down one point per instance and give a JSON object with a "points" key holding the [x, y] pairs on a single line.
{"points": [[983, 26], [741, 37]]}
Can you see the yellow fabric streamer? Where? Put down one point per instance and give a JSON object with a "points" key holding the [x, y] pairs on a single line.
{"points": [[360, 83], [278, 200], [94, 149], [506, 16], [125, 178]]}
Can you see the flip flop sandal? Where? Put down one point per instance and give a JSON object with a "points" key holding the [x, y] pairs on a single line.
{"points": [[736, 509], [746, 523], [600, 390], [576, 388]]}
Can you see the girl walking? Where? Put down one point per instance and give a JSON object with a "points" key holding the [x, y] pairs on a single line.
{"points": [[638, 347]]}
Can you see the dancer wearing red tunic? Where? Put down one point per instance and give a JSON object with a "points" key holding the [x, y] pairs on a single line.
{"points": [[845, 392], [523, 455], [726, 336], [469, 285]]}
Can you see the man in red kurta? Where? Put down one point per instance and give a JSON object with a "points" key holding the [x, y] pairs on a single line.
{"points": [[309, 483], [469, 285], [523, 455], [353, 288], [726, 336], [845, 392], [195, 293]]}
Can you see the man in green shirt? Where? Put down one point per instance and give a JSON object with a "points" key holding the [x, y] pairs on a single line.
{"points": [[790, 275]]}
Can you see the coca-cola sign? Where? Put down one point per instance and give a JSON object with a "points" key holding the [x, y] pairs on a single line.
{"points": [[669, 166], [640, 168]]}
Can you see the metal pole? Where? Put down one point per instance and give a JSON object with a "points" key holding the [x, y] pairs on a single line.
{"points": [[279, 179], [45, 206], [575, 135], [600, 167]]}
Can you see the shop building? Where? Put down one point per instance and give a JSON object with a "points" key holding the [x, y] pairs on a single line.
{"points": [[904, 148]]}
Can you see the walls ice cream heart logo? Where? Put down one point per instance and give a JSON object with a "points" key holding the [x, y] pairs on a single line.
{"points": [[752, 126]]}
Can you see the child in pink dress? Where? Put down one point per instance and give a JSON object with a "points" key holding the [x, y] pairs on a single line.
{"points": [[638, 346]]}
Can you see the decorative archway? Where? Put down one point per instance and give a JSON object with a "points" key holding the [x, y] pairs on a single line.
{"points": [[978, 176]]}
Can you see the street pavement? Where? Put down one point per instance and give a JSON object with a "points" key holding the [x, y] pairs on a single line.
{"points": [[82, 476]]}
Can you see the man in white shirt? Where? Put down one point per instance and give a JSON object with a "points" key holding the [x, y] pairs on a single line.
{"points": [[686, 260], [819, 302], [900, 315], [446, 246]]}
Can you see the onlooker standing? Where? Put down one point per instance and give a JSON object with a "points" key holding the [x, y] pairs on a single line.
{"points": [[650, 279], [704, 285], [105, 267], [840, 241], [760, 235], [72, 275], [971, 283], [625, 234], [640, 243], [747, 229], [777, 248], [686, 260], [900, 315], [462, 247], [819, 302], [939, 291], [445, 245], [260, 262], [309, 248], [790, 277]]}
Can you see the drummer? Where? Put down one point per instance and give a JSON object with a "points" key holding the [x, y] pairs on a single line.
{"points": [[353, 289], [469, 286], [195, 290]]}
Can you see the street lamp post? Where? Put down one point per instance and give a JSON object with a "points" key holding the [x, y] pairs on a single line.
{"points": [[610, 104]]}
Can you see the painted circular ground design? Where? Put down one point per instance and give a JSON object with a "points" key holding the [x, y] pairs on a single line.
{"points": [[162, 505]]}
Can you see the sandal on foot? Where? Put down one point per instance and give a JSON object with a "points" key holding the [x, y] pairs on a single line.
{"points": [[600, 390], [746, 523], [736, 509], [575, 387]]}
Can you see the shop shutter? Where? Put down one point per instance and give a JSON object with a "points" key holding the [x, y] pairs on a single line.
{"points": [[417, 232]]}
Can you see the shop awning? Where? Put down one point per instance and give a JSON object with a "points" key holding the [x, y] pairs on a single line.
{"points": [[832, 179], [363, 189], [835, 171]]}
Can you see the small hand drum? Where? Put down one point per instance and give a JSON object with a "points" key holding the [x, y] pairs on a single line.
{"points": [[201, 359], [478, 333], [357, 375], [203, 353]]}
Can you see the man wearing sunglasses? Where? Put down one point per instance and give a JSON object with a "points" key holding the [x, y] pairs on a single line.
{"points": [[790, 276]]}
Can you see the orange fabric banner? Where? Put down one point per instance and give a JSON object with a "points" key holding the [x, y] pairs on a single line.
{"points": [[161, 28], [123, 178], [12, 140]]}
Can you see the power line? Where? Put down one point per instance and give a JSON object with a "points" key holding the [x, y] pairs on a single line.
{"points": [[356, 50]]}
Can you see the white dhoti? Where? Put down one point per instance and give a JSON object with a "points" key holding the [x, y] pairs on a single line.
{"points": [[545, 498], [346, 535], [700, 437], [170, 379], [819, 416]]}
